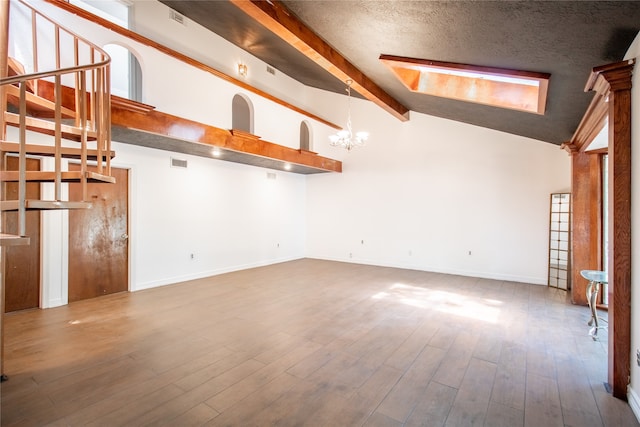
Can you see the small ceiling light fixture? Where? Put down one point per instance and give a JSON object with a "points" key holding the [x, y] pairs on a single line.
{"points": [[242, 69], [345, 137]]}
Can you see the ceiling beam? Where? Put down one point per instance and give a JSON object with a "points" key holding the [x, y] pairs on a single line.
{"points": [[278, 19]]}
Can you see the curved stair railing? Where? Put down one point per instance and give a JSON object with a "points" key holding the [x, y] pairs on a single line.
{"points": [[66, 94]]}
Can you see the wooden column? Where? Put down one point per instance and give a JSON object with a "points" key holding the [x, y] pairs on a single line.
{"points": [[612, 102], [618, 79], [585, 210]]}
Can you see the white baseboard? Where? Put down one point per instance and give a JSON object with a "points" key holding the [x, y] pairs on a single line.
{"points": [[207, 273], [54, 303], [434, 269], [634, 402]]}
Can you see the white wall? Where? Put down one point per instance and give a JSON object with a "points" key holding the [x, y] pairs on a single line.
{"points": [[424, 193], [421, 195], [229, 216], [634, 388]]}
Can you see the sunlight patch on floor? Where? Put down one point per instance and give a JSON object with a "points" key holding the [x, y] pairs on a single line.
{"points": [[484, 309]]}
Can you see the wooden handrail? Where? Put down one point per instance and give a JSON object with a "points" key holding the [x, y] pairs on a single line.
{"points": [[43, 74]]}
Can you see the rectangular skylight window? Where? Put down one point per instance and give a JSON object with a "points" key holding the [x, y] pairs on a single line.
{"points": [[518, 90]]}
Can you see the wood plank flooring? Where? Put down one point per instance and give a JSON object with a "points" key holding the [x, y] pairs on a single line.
{"points": [[313, 343]]}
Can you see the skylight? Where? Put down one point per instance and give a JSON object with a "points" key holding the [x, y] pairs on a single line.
{"points": [[499, 87]]}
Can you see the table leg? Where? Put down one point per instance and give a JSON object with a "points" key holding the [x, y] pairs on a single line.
{"points": [[592, 294]]}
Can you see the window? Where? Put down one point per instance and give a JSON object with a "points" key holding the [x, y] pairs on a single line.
{"points": [[499, 87], [116, 11], [126, 73]]}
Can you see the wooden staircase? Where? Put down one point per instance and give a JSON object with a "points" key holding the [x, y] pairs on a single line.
{"points": [[79, 126]]}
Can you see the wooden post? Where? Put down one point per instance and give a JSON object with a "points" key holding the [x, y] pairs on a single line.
{"points": [[4, 55], [612, 84], [619, 80]]}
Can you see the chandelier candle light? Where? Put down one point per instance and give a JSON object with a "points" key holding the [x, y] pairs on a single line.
{"points": [[345, 137]]}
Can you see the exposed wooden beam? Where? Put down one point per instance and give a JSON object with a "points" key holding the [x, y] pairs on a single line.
{"points": [[278, 19]]}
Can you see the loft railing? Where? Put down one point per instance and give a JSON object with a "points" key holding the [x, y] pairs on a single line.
{"points": [[49, 52]]}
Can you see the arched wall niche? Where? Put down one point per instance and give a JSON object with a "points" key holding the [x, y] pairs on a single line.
{"points": [[242, 113], [306, 136]]}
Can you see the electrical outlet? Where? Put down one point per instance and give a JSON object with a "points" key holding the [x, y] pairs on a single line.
{"points": [[192, 257]]}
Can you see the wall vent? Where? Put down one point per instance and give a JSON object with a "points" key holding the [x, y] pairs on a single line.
{"points": [[271, 70], [178, 163], [271, 175], [176, 17]]}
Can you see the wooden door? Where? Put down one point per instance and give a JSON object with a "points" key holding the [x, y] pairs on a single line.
{"points": [[98, 239], [22, 263]]}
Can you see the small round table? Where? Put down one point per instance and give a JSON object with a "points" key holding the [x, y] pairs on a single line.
{"points": [[596, 278]]}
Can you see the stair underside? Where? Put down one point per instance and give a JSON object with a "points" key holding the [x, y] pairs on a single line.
{"points": [[50, 176], [50, 151], [47, 127], [13, 205], [37, 106]]}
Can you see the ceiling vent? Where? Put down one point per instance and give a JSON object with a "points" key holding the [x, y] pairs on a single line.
{"points": [[175, 16], [178, 163]]}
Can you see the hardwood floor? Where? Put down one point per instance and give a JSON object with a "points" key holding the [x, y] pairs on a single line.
{"points": [[312, 342]]}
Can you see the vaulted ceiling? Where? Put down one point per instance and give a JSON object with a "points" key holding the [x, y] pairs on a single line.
{"points": [[563, 38]]}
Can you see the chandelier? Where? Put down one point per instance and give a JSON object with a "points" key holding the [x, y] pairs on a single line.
{"points": [[345, 138]]}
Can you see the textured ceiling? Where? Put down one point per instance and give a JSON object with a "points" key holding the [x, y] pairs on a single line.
{"points": [[564, 38]]}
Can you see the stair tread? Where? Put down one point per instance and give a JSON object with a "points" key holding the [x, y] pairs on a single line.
{"points": [[13, 240], [49, 176], [48, 150], [48, 127], [37, 105]]}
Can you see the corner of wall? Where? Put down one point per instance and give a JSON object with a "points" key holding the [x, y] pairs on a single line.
{"points": [[634, 402]]}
